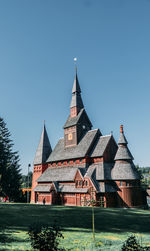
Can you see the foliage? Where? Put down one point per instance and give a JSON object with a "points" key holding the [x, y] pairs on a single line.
{"points": [[44, 238], [24, 180], [139, 171], [132, 244], [143, 172], [10, 176]]}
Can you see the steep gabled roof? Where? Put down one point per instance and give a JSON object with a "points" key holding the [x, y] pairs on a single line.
{"points": [[58, 174], [64, 188], [107, 187], [100, 171], [78, 151], [101, 146], [42, 188], [71, 121], [44, 149]]}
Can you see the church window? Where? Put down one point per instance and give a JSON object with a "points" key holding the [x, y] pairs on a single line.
{"points": [[80, 183], [127, 183], [120, 183], [86, 183]]}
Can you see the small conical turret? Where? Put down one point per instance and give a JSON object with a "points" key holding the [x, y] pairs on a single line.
{"points": [[44, 148], [123, 152]]}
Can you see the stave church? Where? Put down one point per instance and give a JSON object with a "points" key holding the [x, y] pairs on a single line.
{"points": [[85, 166]]}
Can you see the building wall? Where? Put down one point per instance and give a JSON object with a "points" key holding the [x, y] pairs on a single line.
{"points": [[130, 194], [70, 136], [37, 171]]}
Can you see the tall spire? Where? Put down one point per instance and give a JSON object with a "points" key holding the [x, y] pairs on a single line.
{"points": [[44, 148], [76, 101]]}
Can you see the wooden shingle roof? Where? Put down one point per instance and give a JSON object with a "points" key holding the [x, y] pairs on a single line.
{"points": [[101, 146], [44, 148], [72, 121], [58, 174], [126, 171], [79, 151]]}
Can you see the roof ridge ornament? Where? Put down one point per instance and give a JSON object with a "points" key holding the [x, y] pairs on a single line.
{"points": [[121, 128], [75, 62]]}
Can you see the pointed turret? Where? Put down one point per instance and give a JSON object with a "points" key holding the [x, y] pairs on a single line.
{"points": [[123, 152], [44, 148], [76, 101], [124, 168]]}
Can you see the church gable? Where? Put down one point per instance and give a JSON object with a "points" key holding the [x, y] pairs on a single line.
{"points": [[78, 175]]}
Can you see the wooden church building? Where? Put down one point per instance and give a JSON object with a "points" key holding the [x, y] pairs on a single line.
{"points": [[85, 165]]}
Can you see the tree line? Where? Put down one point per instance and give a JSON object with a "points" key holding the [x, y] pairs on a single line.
{"points": [[10, 172]]}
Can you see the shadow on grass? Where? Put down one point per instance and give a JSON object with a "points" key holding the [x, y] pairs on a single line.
{"points": [[21, 216], [7, 237]]}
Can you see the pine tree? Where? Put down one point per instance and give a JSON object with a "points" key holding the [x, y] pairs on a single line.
{"points": [[10, 177]]}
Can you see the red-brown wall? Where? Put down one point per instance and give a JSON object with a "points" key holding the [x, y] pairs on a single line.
{"points": [[37, 171]]}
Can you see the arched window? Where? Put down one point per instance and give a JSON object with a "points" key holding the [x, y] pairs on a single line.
{"points": [[86, 183]]}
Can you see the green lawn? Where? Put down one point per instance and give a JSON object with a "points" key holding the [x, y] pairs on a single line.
{"points": [[112, 226]]}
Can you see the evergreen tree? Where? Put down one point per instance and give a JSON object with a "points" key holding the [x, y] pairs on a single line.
{"points": [[10, 177]]}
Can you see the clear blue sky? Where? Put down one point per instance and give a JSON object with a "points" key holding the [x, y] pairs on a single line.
{"points": [[38, 41]]}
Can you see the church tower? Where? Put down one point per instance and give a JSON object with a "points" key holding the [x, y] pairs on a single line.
{"points": [[78, 122], [42, 153]]}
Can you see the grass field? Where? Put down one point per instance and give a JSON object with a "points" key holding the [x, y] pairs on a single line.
{"points": [[112, 226]]}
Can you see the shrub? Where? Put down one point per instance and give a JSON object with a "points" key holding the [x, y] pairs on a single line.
{"points": [[44, 238], [132, 244]]}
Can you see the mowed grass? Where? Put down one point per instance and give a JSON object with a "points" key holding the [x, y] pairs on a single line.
{"points": [[112, 226]]}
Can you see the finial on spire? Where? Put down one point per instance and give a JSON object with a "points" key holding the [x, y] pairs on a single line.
{"points": [[75, 62], [121, 129], [44, 122]]}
